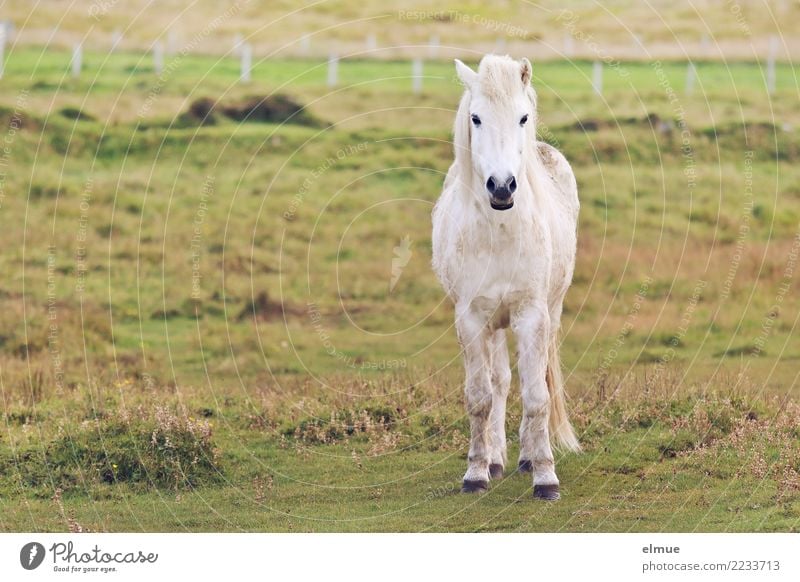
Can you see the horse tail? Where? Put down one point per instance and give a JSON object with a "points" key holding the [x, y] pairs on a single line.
{"points": [[561, 432]]}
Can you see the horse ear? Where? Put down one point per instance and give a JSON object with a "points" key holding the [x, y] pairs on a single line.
{"points": [[466, 74], [526, 71]]}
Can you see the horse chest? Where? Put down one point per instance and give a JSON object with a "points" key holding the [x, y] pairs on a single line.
{"points": [[496, 273]]}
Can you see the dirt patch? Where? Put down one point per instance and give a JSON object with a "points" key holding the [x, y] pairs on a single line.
{"points": [[76, 114], [11, 119], [263, 308], [276, 108], [652, 120]]}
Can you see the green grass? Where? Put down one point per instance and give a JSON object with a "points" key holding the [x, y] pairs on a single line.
{"points": [[687, 466], [113, 201], [418, 493]]}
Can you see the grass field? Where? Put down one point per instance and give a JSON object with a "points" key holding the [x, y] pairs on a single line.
{"points": [[390, 29], [197, 330]]}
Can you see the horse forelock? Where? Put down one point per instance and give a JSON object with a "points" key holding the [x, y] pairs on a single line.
{"points": [[499, 78]]}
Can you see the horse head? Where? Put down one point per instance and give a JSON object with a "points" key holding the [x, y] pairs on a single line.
{"points": [[495, 125]]}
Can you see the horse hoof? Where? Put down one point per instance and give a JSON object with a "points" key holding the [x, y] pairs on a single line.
{"points": [[546, 492], [496, 471], [525, 467], [474, 486]]}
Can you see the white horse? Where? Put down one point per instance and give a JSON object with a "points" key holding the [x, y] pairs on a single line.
{"points": [[504, 237]]}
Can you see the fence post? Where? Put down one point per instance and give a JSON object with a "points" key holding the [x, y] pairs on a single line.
{"points": [[305, 45], [372, 43], [237, 44], [638, 45], [2, 48], [773, 53], [433, 46], [247, 61], [171, 42], [597, 77], [116, 39], [77, 59], [569, 45], [691, 75], [705, 45], [158, 57], [416, 76], [333, 70]]}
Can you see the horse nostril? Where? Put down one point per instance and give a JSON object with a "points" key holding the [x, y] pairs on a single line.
{"points": [[491, 185], [511, 184]]}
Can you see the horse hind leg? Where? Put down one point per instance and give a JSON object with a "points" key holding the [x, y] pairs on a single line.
{"points": [[532, 330], [501, 382]]}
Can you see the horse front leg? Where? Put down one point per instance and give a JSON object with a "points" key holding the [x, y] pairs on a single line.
{"points": [[474, 337], [501, 381], [532, 328]]}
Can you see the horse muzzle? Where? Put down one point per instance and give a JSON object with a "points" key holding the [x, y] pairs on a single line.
{"points": [[505, 204], [501, 194]]}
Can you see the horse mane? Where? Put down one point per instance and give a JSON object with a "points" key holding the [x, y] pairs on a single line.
{"points": [[462, 139], [496, 77]]}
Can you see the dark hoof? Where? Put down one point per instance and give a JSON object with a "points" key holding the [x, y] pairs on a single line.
{"points": [[525, 467], [474, 486], [546, 492], [496, 471]]}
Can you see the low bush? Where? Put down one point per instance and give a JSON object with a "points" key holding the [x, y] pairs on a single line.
{"points": [[162, 450]]}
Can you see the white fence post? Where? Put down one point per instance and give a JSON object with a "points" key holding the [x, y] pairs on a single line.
{"points": [[705, 47], [172, 42], [305, 45], [416, 76], [77, 59], [597, 77], [691, 76], [372, 43], [333, 70], [638, 45], [237, 44], [247, 61], [569, 45], [773, 54], [433, 46], [158, 57], [2, 48], [116, 39]]}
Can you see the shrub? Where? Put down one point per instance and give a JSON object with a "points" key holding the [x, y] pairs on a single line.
{"points": [[163, 450], [342, 424], [275, 108]]}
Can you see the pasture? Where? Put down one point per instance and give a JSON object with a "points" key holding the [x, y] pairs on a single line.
{"points": [[212, 319]]}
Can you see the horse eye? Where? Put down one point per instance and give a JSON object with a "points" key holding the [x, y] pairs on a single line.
{"points": [[524, 120], [476, 120]]}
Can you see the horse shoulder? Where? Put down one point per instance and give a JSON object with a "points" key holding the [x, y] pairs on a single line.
{"points": [[560, 172], [557, 168]]}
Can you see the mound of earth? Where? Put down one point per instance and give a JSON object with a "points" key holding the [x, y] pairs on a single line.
{"points": [[277, 108]]}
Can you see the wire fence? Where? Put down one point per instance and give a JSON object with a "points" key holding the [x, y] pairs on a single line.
{"points": [[766, 54]]}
